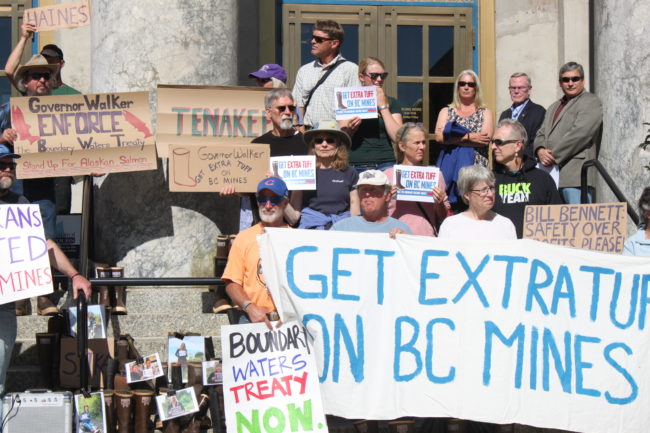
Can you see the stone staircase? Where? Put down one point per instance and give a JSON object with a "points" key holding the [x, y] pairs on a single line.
{"points": [[153, 312]]}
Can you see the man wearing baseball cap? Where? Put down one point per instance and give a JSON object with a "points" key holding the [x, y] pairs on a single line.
{"points": [[374, 191], [243, 274]]}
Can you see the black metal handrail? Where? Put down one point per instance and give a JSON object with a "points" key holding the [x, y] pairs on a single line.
{"points": [[610, 182], [182, 281]]}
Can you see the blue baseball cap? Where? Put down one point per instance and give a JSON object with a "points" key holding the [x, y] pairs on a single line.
{"points": [[5, 152], [275, 185]]}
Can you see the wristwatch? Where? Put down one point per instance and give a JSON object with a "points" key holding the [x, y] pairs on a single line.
{"points": [[383, 107]]}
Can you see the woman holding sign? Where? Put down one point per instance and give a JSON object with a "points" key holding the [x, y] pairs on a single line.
{"points": [[334, 197], [423, 218], [372, 139]]}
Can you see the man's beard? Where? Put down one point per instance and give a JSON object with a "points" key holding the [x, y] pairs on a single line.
{"points": [[271, 218], [286, 123], [6, 182]]}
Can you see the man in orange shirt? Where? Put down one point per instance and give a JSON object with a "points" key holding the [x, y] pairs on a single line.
{"points": [[243, 275]]}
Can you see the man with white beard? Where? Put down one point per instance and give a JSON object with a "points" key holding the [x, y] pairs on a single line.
{"points": [[243, 274], [283, 138]]}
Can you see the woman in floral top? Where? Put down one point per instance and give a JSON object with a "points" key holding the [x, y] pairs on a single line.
{"points": [[468, 111]]}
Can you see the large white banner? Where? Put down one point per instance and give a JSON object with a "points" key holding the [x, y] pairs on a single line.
{"points": [[24, 260], [513, 331]]}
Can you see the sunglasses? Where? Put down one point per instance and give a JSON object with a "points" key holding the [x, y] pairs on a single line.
{"points": [[466, 83], [283, 108], [329, 140], [263, 80], [499, 142], [273, 199], [374, 75], [573, 79], [320, 40], [38, 75], [6, 165]]}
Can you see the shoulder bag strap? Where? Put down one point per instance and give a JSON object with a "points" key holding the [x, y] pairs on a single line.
{"points": [[321, 81]]}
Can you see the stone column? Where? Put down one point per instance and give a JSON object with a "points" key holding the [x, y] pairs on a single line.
{"points": [[623, 85], [138, 223]]}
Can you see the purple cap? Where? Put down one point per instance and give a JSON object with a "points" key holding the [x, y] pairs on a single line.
{"points": [[270, 70], [275, 185]]}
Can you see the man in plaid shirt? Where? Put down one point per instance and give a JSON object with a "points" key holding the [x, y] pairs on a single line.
{"points": [[326, 41]]}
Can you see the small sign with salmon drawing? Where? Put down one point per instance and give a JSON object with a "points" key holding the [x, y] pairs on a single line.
{"points": [[74, 135]]}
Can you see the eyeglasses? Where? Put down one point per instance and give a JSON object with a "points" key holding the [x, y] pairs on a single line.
{"points": [[320, 40], [6, 165], [374, 75], [567, 79], [283, 108], [329, 140], [484, 191], [499, 142], [273, 199], [466, 83], [263, 80], [518, 89], [38, 75]]}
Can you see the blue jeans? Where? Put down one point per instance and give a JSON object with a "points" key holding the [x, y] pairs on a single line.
{"points": [[572, 195], [48, 212], [7, 340], [360, 168]]}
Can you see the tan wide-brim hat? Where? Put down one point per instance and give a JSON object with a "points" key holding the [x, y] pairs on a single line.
{"points": [[331, 127], [36, 62]]}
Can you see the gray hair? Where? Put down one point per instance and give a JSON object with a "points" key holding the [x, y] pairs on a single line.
{"points": [[276, 94], [572, 66], [522, 74], [24, 76], [517, 130], [470, 175]]}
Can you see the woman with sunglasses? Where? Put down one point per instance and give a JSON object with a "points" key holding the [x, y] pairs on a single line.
{"points": [[469, 115], [372, 139], [422, 218], [479, 221], [334, 197]]}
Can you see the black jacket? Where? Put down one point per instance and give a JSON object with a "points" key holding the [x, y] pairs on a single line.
{"points": [[531, 117], [515, 190]]}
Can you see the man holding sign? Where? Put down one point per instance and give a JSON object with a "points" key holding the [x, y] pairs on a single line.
{"points": [[57, 259]]}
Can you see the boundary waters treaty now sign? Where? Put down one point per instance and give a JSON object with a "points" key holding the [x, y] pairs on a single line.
{"points": [[504, 332]]}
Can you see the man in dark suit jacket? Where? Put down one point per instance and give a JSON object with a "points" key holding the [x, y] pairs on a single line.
{"points": [[571, 132], [523, 110]]}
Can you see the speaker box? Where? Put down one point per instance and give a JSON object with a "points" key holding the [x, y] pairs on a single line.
{"points": [[38, 411]]}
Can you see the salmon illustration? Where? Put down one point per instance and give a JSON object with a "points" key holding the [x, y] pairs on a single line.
{"points": [[137, 123], [22, 128]]}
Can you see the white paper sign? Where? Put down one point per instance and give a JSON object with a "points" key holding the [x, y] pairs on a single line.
{"points": [[24, 260], [298, 172], [503, 332], [355, 101], [415, 183], [270, 379]]}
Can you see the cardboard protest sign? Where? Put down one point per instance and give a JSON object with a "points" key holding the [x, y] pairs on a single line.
{"points": [[210, 167], [59, 16], [600, 226], [196, 115], [298, 172], [415, 183], [503, 332], [270, 379], [100, 350], [24, 261], [355, 102], [73, 135]]}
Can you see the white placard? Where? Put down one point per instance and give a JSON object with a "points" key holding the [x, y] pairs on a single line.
{"points": [[355, 102], [415, 183], [298, 172]]}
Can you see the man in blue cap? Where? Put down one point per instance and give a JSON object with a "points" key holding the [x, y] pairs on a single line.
{"points": [[243, 274]]}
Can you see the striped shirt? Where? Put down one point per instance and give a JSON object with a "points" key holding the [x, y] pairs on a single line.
{"points": [[321, 106]]}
